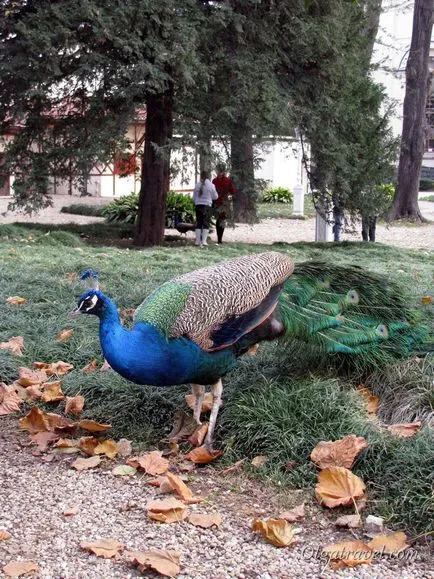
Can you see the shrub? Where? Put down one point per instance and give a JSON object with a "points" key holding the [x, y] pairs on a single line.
{"points": [[179, 207], [426, 185], [122, 210], [277, 195], [82, 209]]}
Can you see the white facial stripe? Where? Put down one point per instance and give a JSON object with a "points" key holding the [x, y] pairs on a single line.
{"points": [[93, 300]]}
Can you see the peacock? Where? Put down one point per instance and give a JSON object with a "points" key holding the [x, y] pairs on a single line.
{"points": [[193, 328]]}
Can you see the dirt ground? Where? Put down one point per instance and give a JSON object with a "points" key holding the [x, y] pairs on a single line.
{"points": [[268, 231]]}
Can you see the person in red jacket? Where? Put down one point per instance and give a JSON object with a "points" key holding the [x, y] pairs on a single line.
{"points": [[225, 189]]}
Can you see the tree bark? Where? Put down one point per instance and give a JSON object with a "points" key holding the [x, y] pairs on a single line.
{"points": [[242, 173], [155, 170], [405, 204]]}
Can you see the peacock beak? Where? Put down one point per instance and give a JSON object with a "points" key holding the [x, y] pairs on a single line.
{"points": [[74, 313]]}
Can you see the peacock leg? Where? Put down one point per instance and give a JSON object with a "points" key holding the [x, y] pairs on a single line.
{"points": [[217, 390], [198, 393]]}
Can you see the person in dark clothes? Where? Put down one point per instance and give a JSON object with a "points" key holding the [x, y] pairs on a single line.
{"points": [[225, 189]]}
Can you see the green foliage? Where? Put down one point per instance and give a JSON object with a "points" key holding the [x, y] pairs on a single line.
{"points": [[277, 195], [179, 207], [429, 198], [83, 209], [122, 210], [426, 185]]}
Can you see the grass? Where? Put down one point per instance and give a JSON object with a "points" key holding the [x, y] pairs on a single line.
{"points": [[276, 403], [429, 198], [284, 210]]}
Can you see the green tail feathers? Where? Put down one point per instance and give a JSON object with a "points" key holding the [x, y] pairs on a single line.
{"points": [[347, 310]]}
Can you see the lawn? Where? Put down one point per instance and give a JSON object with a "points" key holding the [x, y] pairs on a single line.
{"points": [[275, 403]]}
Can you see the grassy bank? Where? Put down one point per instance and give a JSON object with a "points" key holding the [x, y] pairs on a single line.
{"points": [[276, 403]]}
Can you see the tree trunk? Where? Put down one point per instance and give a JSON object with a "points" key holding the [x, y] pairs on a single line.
{"points": [[405, 204], [242, 173], [155, 170]]}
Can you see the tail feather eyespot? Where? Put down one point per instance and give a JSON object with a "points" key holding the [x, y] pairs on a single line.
{"points": [[381, 330], [353, 297]]}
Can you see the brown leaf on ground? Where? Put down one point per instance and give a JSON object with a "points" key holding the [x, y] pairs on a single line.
{"points": [[88, 444], [389, 544], [234, 467], [372, 402], [201, 455], [44, 439], [205, 521], [33, 392], [86, 463], [105, 366], [64, 335], [276, 531], [124, 448], [152, 462], [19, 390], [182, 489], [294, 514], [93, 426], [14, 344], [156, 482], [9, 400], [18, 568], [163, 562], [259, 461], [74, 404], [124, 470], [341, 452], [4, 535], [71, 276], [55, 368], [206, 403], [52, 392], [35, 421], [106, 548], [198, 436], [67, 446], [58, 422], [404, 430], [107, 447], [426, 300], [71, 511], [91, 367], [184, 426], [29, 377], [16, 300], [349, 521], [169, 510], [253, 350], [338, 486], [348, 554]]}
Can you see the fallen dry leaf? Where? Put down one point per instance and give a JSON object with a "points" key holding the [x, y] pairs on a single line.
{"points": [[35, 421], [198, 436], [18, 568], [33, 392], [259, 461], [28, 377], [184, 426], [44, 439], [86, 463], [55, 368], [349, 521], [389, 544], [88, 444], [107, 447], [276, 531], [124, 470], [338, 486], [206, 403], [181, 489], [93, 426], [404, 430], [164, 562], [71, 512], [105, 366], [74, 405], [234, 467], [14, 344], [152, 462], [169, 510], [91, 367], [9, 400], [201, 455], [58, 422], [348, 554], [71, 276], [52, 392], [64, 335], [124, 448], [4, 535], [294, 514], [341, 452], [106, 548], [19, 390], [16, 300], [205, 521], [372, 402], [426, 300]]}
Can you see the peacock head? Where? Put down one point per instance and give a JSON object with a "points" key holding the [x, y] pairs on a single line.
{"points": [[91, 302]]}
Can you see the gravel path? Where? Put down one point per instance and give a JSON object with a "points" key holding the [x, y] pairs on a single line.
{"points": [[34, 495], [268, 231]]}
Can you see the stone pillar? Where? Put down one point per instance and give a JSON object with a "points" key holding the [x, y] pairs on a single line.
{"points": [[298, 203], [323, 230]]}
